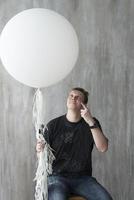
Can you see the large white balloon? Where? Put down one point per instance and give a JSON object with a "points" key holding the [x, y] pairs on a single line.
{"points": [[38, 47]]}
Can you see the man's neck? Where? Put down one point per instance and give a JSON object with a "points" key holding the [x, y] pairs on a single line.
{"points": [[73, 116]]}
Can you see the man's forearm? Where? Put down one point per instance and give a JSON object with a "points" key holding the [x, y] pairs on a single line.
{"points": [[100, 139]]}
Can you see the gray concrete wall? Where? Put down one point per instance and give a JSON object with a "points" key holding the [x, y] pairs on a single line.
{"points": [[105, 67]]}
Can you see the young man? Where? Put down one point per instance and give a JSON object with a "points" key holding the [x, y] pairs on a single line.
{"points": [[72, 137]]}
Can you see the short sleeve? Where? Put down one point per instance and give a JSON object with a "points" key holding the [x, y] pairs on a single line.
{"points": [[47, 134], [97, 121]]}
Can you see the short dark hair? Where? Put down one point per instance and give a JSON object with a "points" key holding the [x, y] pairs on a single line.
{"points": [[84, 92]]}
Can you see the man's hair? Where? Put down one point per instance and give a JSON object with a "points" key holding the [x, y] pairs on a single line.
{"points": [[84, 92]]}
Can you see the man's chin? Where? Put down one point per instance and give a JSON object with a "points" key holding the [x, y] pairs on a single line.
{"points": [[73, 107]]}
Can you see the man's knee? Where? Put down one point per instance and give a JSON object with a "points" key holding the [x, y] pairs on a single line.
{"points": [[57, 190]]}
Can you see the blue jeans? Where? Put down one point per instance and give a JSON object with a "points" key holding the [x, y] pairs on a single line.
{"points": [[60, 188]]}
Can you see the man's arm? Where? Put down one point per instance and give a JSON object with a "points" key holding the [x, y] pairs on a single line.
{"points": [[100, 139]]}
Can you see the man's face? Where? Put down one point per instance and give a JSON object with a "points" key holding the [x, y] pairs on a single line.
{"points": [[74, 100]]}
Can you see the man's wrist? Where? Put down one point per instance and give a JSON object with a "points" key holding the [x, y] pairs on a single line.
{"points": [[95, 125], [92, 124]]}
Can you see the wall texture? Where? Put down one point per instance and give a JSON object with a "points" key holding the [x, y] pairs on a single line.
{"points": [[105, 67]]}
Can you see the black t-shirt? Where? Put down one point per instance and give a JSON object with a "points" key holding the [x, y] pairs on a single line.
{"points": [[72, 144]]}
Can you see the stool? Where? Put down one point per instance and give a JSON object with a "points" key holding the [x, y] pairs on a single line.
{"points": [[76, 198]]}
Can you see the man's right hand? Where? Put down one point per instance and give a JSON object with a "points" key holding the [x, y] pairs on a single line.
{"points": [[40, 146]]}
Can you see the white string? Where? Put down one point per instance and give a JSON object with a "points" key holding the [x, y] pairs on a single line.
{"points": [[37, 110], [46, 156]]}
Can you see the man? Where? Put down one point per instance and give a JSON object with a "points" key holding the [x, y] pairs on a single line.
{"points": [[72, 137]]}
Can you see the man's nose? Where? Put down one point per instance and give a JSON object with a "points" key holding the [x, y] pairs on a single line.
{"points": [[73, 98]]}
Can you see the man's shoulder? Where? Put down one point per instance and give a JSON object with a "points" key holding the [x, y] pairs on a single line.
{"points": [[56, 120]]}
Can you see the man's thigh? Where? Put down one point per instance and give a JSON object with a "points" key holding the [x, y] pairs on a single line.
{"points": [[89, 188], [57, 188]]}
